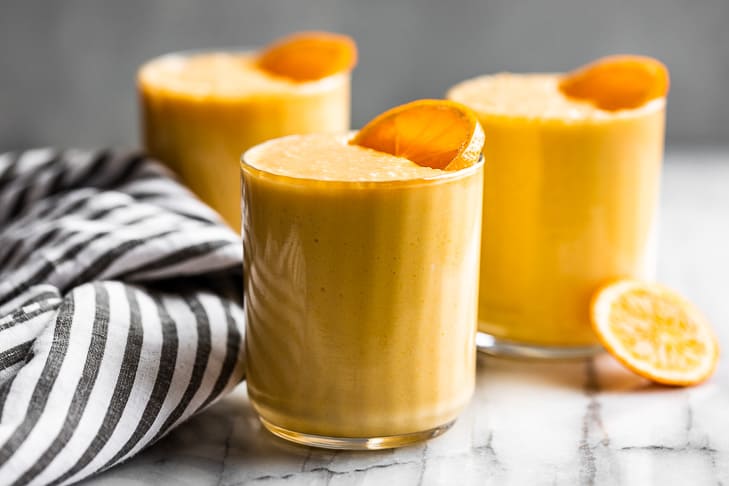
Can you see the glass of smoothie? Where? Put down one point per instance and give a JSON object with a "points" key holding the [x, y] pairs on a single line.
{"points": [[361, 280], [201, 110], [573, 163]]}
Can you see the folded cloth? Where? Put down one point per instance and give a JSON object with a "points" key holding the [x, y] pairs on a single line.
{"points": [[120, 311]]}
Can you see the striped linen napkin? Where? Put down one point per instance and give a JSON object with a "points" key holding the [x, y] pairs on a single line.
{"points": [[120, 311]]}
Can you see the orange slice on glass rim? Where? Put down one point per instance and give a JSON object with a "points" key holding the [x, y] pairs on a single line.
{"points": [[308, 56], [654, 332], [618, 82], [439, 134]]}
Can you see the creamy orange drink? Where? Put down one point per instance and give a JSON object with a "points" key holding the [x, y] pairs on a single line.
{"points": [[571, 187], [200, 111], [361, 274]]}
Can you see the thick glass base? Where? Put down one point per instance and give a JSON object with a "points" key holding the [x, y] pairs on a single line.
{"points": [[503, 348], [355, 443]]}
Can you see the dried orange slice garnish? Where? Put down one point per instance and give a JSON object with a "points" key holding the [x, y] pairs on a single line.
{"points": [[654, 332], [618, 82], [433, 133], [308, 56]]}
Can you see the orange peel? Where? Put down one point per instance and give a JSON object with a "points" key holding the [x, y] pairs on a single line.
{"points": [[309, 56], [618, 82], [439, 134]]}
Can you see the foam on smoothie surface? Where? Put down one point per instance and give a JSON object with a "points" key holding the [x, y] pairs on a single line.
{"points": [[213, 74], [329, 157], [529, 96]]}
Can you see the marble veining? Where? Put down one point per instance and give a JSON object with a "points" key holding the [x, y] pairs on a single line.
{"points": [[530, 423], [586, 422]]}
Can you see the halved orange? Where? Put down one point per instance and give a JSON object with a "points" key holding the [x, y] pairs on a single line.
{"points": [[308, 56], [655, 332], [618, 82], [433, 133]]}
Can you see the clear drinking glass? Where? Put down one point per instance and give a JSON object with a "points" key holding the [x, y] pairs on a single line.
{"points": [[202, 109], [570, 202], [361, 304]]}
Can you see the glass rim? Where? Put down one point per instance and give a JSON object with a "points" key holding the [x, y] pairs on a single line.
{"points": [[442, 177]]}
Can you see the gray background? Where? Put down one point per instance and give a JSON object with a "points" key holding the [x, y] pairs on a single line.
{"points": [[67, 67]]}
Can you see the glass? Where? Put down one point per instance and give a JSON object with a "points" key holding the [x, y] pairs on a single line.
{"points": [[570, 203], [361, 305], [200, 133]]}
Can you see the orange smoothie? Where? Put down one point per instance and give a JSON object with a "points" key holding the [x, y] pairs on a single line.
{"points": [[361, 274], [201, 111], [570, 199]]}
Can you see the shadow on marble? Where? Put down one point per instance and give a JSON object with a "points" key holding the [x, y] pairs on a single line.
{"points": [[601, 373]]}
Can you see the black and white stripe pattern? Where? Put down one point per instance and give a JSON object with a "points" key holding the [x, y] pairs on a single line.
{"points": [[120, 311]]}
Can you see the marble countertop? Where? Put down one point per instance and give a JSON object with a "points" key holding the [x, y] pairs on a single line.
{"points": [[580, 422]]}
